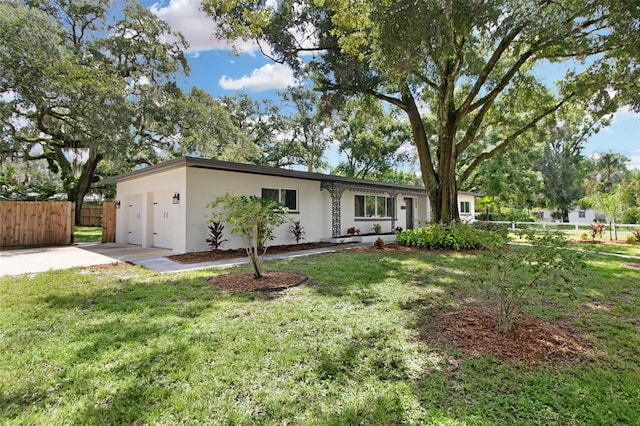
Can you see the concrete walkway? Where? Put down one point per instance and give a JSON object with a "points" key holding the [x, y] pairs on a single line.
{"points": [[35, 260], [163, 264]]}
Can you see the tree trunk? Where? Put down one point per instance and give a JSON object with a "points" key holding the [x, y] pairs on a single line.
{"points": [[253, 253], [77, 192], [441, 184]]}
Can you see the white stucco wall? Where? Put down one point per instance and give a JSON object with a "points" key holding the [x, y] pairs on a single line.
{"points": [[199, 186], [574, 216], [148, 189], [204, 185], [365, 225], [467, 217]]}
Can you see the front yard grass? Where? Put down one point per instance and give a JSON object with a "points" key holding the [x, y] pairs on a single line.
{"points": [[606, 247], [123, 345], [85, 234]]}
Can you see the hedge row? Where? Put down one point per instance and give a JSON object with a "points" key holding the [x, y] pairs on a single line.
{"points": [[452, 237]]}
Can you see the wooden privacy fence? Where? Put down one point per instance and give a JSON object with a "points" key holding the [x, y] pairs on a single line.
{"points": [[36, 223], [108, 222], [91, 215]]}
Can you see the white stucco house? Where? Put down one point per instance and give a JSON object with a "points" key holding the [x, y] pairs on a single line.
{"points": [[577, 215], [166, 205]]}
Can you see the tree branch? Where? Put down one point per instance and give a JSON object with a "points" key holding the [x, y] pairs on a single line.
{"points": [[508, 140], [489, 67]]}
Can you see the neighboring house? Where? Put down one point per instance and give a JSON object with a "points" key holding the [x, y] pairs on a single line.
{"points": [[166, 205], [577, 215]]}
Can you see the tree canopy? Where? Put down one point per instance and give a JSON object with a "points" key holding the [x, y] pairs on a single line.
{"points": [[81, 81], [470, 65], [370, 138]]}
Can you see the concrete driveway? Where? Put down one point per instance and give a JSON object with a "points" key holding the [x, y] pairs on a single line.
{"points": [[34, 260]]}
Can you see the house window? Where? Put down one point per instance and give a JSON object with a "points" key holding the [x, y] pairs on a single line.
{"points": [[373, 206], [286, 197], [582, 213], [465, 207]]}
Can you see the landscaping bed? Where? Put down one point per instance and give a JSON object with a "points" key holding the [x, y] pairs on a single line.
{"points": [[213, 255]]}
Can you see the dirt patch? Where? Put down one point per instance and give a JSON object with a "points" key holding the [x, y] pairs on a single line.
{"points": [[213, 255], [98, 269], [474, 331], [271, 280]]}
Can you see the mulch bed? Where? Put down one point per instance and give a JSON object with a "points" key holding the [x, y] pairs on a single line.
{"points": [[530, 340], [209, 256], [270, 281]]}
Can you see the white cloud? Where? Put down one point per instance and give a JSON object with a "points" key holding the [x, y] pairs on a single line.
{"points": [[625, 112], [270, 76], [634, 162], [196, 26]]}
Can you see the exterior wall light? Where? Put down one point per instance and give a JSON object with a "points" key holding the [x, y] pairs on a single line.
{"points": [[176, 198], [117, 204]]}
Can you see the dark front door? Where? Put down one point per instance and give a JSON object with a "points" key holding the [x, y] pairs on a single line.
{"points": [[408, 202]]}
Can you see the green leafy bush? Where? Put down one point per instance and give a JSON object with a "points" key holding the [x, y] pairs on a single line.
{"points": [[512, 274], [457, 236]]}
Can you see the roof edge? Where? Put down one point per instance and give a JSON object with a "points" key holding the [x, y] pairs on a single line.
{"points": [[205, 163]]}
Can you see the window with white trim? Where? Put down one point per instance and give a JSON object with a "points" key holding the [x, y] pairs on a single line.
{"points": [[286, 197], [465, 207], [373, 206], [582, 213]]}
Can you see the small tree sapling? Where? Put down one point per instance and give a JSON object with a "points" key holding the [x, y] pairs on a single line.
{"points": [[252, 217], [512, 274]]}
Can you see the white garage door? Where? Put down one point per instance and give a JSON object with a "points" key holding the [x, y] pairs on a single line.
{"points": [[162, 212], [135, 219]]}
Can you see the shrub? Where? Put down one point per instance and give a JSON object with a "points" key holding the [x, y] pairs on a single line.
{"points": [[352, 230], [631, 215], [499, 228], [596, 229], [297, 231], [376, 228], [511, 274], [636, 234], [455, 236], [584, 236], [631, 239], [379, 243], [215, 239]]}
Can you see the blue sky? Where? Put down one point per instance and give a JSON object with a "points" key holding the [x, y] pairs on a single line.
{"points": [[215, 69]]}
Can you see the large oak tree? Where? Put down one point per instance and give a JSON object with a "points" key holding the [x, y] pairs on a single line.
{"points": [[82, 81], [474, 66]]}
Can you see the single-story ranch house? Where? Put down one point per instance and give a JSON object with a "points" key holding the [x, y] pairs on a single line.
{"points": [[166, 205]]}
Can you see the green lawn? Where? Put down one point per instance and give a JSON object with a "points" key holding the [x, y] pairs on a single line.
{"points": [[628, 249], [126, 345], [84, 234]]}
